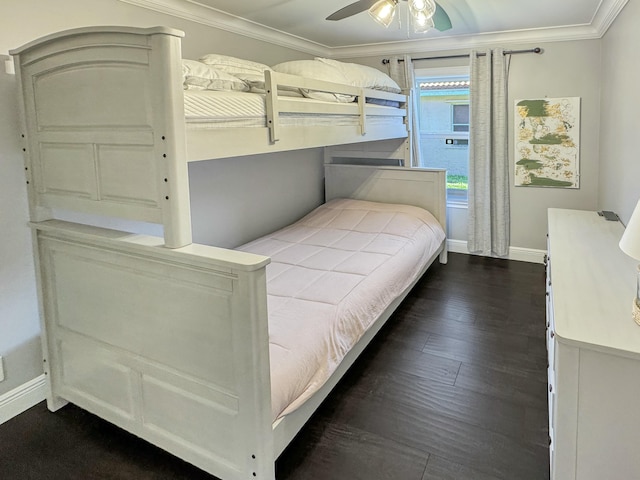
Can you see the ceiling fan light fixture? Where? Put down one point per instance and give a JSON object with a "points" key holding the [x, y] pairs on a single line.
{"points": [[426, 7], [422, 23], [384, 11]]}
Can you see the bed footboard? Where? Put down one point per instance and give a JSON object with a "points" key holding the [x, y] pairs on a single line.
{"points": [[171, 345]]}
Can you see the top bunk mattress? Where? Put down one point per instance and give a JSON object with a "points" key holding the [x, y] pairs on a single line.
{"points": [[219, 109], [332, 274]]}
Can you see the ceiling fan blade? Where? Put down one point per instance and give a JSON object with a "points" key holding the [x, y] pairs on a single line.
{"points": [[349, 10], [441, 20]]}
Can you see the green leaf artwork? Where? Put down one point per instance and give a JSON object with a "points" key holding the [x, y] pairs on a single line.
{"points": [[547, 142]]}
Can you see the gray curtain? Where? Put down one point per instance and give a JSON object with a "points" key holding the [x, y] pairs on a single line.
{"points": [[489, 225], [401, 70]]}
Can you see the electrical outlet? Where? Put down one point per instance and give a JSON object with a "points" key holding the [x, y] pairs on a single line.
{"points": [[1, 370]]}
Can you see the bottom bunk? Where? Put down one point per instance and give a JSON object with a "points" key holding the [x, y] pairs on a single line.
{"points": [[194, 349]]}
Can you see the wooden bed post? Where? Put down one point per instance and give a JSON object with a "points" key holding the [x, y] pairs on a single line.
{"points": [[170, 138]]}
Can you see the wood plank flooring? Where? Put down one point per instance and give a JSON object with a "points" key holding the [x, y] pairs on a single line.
{"points": [[452, 388]]}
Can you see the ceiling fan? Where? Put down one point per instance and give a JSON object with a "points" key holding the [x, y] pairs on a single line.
{"points": [[425, 14]]}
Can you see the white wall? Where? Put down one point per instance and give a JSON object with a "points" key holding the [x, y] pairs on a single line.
{"points": [[564, 69], [19, 325], [24, 20], [268, 192], [619, 152]]}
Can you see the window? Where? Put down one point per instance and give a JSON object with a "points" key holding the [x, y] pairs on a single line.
{"points": [[460, 121], [444, 126]]}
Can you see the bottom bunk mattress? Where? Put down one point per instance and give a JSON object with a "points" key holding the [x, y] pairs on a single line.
{"points": [[332, 274]]}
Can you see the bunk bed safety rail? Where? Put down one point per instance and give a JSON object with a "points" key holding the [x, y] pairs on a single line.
{"points": [[277, 105]]}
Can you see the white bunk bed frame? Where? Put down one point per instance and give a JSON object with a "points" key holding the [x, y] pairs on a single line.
{"points": [[170, 344], [136, 123]]}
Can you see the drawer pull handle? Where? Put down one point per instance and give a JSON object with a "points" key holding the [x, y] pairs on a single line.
{"points": [[550, 388]]}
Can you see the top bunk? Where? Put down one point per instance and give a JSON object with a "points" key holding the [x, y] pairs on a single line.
{"points": [[112, 87], [108, 127]]}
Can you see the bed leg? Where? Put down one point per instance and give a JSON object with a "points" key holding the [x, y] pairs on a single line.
{"points": [[55, 403], [443, 256]]}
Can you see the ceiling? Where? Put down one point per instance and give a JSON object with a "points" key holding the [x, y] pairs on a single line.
{"points": [[301, 23]]}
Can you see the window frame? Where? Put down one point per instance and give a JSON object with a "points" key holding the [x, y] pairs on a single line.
{"points": [[452, 71], [453, 118]]}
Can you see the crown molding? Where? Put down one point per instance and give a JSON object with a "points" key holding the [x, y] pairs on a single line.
{"points": [[465, 42], [211, 17], [606, 14], [196, 12]]}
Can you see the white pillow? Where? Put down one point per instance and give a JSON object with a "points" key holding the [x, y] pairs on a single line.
{"points": [[317, 71], [198, 76], [234, 65], [364, 76]]}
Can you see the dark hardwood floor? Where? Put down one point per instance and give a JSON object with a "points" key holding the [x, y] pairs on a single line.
{"points": [[453, 388]]}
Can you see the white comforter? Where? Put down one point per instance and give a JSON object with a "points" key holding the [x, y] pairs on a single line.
{"points": [[331, 275]]}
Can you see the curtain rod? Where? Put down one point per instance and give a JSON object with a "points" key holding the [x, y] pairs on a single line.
{"points": [[463, 55]]}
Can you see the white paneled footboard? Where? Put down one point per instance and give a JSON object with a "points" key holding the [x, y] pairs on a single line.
{"points": [[171, 345]]}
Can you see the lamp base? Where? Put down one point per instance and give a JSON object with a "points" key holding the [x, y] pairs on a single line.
{"points": [[636, 311]]}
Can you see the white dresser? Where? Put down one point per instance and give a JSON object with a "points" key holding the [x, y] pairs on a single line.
{"points": [[594, 350]]}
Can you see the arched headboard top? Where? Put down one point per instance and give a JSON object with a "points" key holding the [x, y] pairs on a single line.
{"points": [[96, 29]]}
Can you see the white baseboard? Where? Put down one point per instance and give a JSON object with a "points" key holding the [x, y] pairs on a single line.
{"points": [[527, 254], [530, 255], [22, 398]]}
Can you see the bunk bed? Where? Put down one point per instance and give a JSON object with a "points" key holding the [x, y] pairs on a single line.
{"points": [[173, 340]]}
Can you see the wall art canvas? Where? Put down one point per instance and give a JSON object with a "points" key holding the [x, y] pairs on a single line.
{"points": [[547, 132]]}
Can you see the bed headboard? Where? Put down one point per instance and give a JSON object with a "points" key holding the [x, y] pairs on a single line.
{"points": [[117, 150], [425, 188]]}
